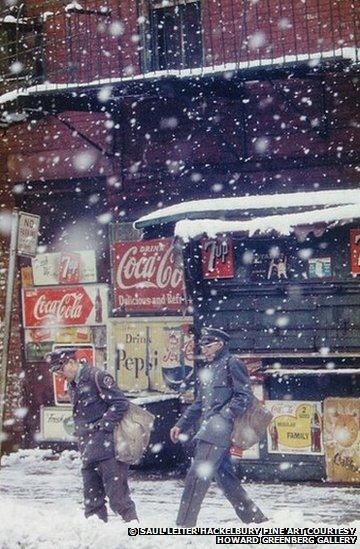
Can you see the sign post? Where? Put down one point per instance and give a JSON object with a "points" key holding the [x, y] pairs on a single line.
{"points": [[23, 240]]}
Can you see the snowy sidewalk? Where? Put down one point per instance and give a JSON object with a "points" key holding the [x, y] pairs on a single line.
{"points": [[41, 507]]}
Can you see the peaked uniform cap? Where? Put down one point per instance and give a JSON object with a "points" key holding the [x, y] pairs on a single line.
{"points": [[57, 359], [208, 335]]}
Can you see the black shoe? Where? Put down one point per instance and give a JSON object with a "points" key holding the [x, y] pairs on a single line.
{"points": [[102, 516], [131, 518], [259, 520]]}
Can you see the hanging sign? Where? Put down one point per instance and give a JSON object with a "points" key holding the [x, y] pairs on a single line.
{"points": [[28, 232], [296, 427], [36, 352], [152, 353], [67, 306], [217, 258], [64, 268], [264, 267], [342, 439], [56, 423], [355, 250], [320, 267], [148, 276], [26, 277]]}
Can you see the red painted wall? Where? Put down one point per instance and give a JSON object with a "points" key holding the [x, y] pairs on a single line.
{"points": [[49, 150], [82, 47], [243, 30]]}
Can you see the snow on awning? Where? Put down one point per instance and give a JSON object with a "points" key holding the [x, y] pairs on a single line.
{"points": [[283, 224], [259, 214]]}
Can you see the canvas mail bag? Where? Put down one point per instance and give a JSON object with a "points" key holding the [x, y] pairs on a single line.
{"points": [[132, 433], [250, 427]]}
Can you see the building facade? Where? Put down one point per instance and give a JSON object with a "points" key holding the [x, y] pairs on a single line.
{"points": [[110, 110]]}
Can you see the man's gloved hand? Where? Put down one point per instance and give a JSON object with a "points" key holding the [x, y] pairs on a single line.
{"points": [[102, 425], [226, 413]]}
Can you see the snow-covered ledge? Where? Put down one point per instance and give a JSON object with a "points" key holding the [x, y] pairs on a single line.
{"points": [[283, 224], [351, 54], [258, 214], [249, 204]]}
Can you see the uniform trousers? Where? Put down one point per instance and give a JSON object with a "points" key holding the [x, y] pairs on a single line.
{"points": [[107, 478], [213, 462]]}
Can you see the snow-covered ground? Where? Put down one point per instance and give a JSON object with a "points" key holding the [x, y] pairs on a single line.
{"points": [[41, 507]]}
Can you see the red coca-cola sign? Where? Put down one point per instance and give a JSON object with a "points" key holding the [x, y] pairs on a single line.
{"points": [[66, 306], [148, 276]]}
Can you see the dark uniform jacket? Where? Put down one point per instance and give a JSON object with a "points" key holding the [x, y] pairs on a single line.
{"points": [[224, 393], [96, 413]]}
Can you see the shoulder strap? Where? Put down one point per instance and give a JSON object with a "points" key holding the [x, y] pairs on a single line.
{"points": [[228, 373], [96, 377]]}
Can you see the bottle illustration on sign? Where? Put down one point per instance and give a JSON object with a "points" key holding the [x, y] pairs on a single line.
{"points": [[315, 433], [98, 307], [176, 373], [274, 435]]}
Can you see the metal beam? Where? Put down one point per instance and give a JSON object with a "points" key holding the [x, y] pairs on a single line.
{"points": [[83, 97]]}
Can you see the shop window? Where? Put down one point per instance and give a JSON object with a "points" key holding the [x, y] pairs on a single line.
{"points": [[171, 34], [20, 49], [89, 48]]}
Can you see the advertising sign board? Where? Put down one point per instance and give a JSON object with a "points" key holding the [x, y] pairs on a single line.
{"points": [[148, 276], [64, 268], [152, 353], [342, 439], [28, 232], [355, 251], [64, 306], [217, 258], [296, 427], [56, 424]]}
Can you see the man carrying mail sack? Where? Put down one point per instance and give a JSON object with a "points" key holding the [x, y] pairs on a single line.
{"points": [[98, 406], [224, 395]]}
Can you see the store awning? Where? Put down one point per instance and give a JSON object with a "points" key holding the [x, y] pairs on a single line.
{"points": [[260, 214]]}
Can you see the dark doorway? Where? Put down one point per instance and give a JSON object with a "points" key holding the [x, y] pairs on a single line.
{"points": [[176, 41]]}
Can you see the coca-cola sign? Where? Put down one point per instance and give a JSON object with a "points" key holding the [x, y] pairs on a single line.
{"points": [[64, 306], [148, 276]]}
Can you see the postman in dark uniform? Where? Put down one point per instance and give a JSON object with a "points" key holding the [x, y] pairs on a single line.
{"points": [[98, 404], [224, 393]]}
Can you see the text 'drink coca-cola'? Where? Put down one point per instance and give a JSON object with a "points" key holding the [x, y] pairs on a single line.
{"points": [[148, 276], [65, 306]]}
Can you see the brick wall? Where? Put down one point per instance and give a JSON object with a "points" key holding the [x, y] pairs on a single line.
{"points": [[95, 44], [81, 47], [302, 120], [48, 149], [244, 30]]}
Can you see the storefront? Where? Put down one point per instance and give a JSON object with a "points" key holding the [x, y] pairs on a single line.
{"points": [[135, 326], [280, 274]]}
